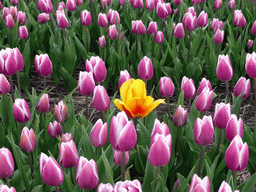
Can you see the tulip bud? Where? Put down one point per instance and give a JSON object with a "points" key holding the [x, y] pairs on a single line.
{"points": [[120, 130], [27, 140], [163, 10], [6, 164], [224, 69], [61, 112], [22, 17], [202, 19], [217, 4], [237, 154], [176, 185], [54, 129], [216, 24], [204, 100], [224, 187], [9, 22], [250, 43], [242, 85], [138, 27], [250, 65], [71, 5], [179, 31], [79, 2], [160, 128], [218, 36], [122, 2], [85, 18], [159, 37], [121, 36], [102, 41], [177, 2], [166, 87], [21, 111], [253, 30], [204, 130], [5, 85], [204, 83], [188, 86], [175, 11], [87, 174], [234, 127], [50, 171], [61, 6], [8, 64], [6, 11], [195, 2], [239, 19], [68, 154], [43, 17], [124, 76], [113, 17], [231, 4], [191, 10], [14, 12], [152, 28], [101, 100], [117, 157], [86, 83], [112, 32], [150, 5], [98, 135], [137, 3], [222, 114], [66, 137], [61, 19], [14, 2], [43, 65], [189, 21], [45, 6], [198, 184], [103, 4], [43, 104], [127, 185], [145, 68], [23, 32], [180, 117], [102, 20], [97, 66], [5, 188]]}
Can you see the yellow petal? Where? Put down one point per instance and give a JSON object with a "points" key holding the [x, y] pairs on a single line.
{"points": [[125, 87], [119, 104], [138, 89], [152, 106]]}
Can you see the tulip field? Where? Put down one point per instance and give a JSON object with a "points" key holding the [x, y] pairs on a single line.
{"points": [[127, 95]]}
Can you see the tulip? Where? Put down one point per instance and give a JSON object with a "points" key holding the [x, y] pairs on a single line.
{"points": [[61, 6], [66, 137], [18, 58], [117, 157], [204, 83], [68, 154], [124, 76], [198, 184], [177, 2], [100, 99], [7, 163], [87, 174], [54, 129], [150, 5], [23, 32], [79, 2], [43, 104], [244, 86], [43, 65], [234, 127], [152, 28], [45, 6], [120, 130], [188, 86], [6, 11], [27, 140], [189, 21], [122, 2], [159, 37], [218, 36], [85, 18], [250, 65], [195, 2], [138, 27], [61, 112], [112, 32], [127, 185], [222, 114], [103, 4], [113, 17], [239, 19], [204, 130], [202, 19], [231, 4], [121, 36], [145, 68], [161, 10], [160, 128], [8, 64], [5, 188], [217, 4], [166, 87], [204, 100], [250, 43], [86, 83], [105, 188], [50, 171], [98, 135], [179, 31], [21, 111], [237, 154], [61, 19], [137, 3], [4, 85], [9, 22], [191, 10], [21, 17], [71, 5], [43, 17], [180, 117], [135, 102], [102, 20], [224, 69], [175, 11], [253, 30], [14, 12], [224, 187], [97, 66], [102, 41], [216, 24], [14, 2]]}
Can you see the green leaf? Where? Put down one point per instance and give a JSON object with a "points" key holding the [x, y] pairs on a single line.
{"points": [[69, 81], [150, 175], [250, 184], [67, 186], [236, 104], [108, 169], [184, 184]]}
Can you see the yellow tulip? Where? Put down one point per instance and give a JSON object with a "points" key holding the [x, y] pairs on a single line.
{"points": [[135, 102]]}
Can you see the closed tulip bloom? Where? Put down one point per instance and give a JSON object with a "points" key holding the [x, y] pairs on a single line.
{"points": [[23, 32], [61, 112], [9, 22], [188, 86], [166, 87], [216, 24], [204, 83], [231, 4], [159, 37], [8, 64], [43, 104], [175, 11], [138, 27], [253, 30], [198, 184], [195, 2], [50, 171], [4, 85], [100, 99], [21, 111], [127, 185], [202, 19], [150, 5], [137, 3], [86, 83], [239, 19], [177, 2], [102, 41], [112, 32], [68, 154], [54, 129], [224, 69], [124, 76], [180, 117], [43, 65], [28, 140], [222, 114], [61, 6], [160, 128], [18, 58], [217, 4], [14, 2], [250, 43], [113, 17], [103, 4], [105, 187], [97, 66], [204, 100], [121, 36], [237, 154], [191, 10], [71, 5], [161, 10], [102, 20], [179, 31], [61, 19], [218, 36], [244, 86], [14, 12], [189, 21], [43, 17], [7, 163], [234, 127], [45, 6], [152, 28], [22, 17], [250, 65], [204, 130], [6, 11], [79, 2], [98, 135], [66, 137], [224, 187], [117, 157], [85, 18], [5, 188], [87, 174], [122, 2], [120, 130], [145, 68]]}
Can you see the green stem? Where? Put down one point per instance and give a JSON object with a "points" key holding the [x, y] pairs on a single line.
{"points": [[57, 188], [179, 49], [123, 166], [63, 128], [10, 37], [153, 48], [143, 45], [53, 28], [86, 108], [200, 161], [218, 146], [227, 91], [177, 141], [7, 181], [189, 46], [168, 107], [6, 107], [86, 36], [234, 175], [72, 178], [104, 116], [31, 164], [12, 90], [44, 82], [18, 82], [135, 120]]}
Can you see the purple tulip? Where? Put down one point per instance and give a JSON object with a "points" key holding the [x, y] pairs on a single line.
{"points": [[5, 85], [145, 68], [14, 12], [179, 31], [218, 36], [45, 6], [117, 157], [204, 100], [61, 19], [97, 66], [102, 41], [66, 137], [198, 184], [222, 114], [100, 99], [150, 5], [180, 117], [224, 69], [202, 19], [152, 28], [23, 32], [105, 188], [216, 24], [217, 4], [98, 135], [43, 17], [250, 65], [160, 128], [138, 27], [28, 140], [21, 111], [5, 188], [61, 112], [159, 37], [162, 10], [231, 4], [43, 104], [177, 2], [249, 43], [86, 83], [85, 18], [136, 3], [234, 127], [54, 129], [6, 164], [21, 17], [9, 21], [189, 21], [113, 17], [166, 87], [43, 65], [128, 185], [68, 154], [71, 5], [244, 86], [188, 86], [102, 20], [204, 130], [204, 83], [239, 19], [124, 76], [112, 32]]}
